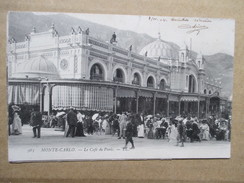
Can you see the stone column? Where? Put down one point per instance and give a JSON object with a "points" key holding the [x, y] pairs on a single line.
{"points": [[154, 103], [41, 98], [207, 107], [198, 107], [137, 101], [115, 99], [168, 105], [179, 107]]}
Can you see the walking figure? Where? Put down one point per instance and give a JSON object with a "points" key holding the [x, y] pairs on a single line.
{"points": [[129, 135]]}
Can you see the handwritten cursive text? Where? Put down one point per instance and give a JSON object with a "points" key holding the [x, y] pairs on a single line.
{"points": [[193, 28]]}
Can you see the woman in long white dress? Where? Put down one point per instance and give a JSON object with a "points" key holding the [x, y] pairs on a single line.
{"points": [[204, 131], [17, 125], [173, 133], [140, 129], [106, 126]]}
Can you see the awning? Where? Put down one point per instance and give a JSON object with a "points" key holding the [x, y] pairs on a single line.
{"points": [[189, 98], [126, 93], [161, 95], [202, 99], [173, 98], [82, 97], [146, 94], [21, 93]]}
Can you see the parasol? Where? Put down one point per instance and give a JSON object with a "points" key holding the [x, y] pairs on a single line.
{"points": [[16, 108], [178, 118], [95, 116], [60, 114]]}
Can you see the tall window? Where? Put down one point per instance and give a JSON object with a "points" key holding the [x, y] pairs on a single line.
{"points": [[162, 84], [136, 79], [182, 57], [96, 72], [192, 84], [119, 75], [150, 82]]}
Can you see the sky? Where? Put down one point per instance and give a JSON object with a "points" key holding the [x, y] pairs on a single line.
{"points": [[204, 35]]}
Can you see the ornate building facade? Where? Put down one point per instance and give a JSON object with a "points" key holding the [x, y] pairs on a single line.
{"points": [[55, 72]]}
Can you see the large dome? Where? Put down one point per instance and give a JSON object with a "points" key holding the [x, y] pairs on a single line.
{"points": [[37, 67], [162, 49]]}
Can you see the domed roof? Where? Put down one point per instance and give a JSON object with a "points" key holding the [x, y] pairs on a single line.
{"points": [[37, 67], [162, 49]]}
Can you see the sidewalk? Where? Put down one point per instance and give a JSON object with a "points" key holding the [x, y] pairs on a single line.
{"points": [[53, 146]]}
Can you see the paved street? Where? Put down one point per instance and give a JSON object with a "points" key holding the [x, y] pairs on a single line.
{"points": [[54, 146]]}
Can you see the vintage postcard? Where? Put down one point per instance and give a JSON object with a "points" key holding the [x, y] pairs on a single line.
{"points": [[118, 87]]}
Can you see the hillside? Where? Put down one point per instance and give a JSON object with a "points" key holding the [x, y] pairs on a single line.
{"points": [[220, 66]]}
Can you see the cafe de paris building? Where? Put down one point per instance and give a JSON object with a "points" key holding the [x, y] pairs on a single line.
{"points": [[55, 72]]}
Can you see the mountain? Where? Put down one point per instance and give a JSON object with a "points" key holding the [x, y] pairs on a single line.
{"points": [[23, 23], [220, 66], [217, 65]]}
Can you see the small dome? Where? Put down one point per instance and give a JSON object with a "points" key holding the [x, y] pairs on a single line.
{"points": [[37, 67], [162, 49]]}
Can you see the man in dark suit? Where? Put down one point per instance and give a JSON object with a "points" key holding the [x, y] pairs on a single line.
{"points": [[36, 123], [129, 134], [72, 122]]}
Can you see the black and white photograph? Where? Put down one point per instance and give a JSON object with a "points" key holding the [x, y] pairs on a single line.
{"points": [[118, 87]]}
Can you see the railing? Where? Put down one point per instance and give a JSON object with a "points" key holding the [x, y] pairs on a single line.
{"points": [[121, 51], [98, 43], [117, 79], [96, 77], [64, 39], [20, 45], [150, 85], [135, 82]]}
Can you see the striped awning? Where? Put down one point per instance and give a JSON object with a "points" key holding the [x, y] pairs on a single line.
{"points": [[161, 95], [126, 93], [82, 97], [146, 94], [21, 93], [189, 98], [173, 98]]}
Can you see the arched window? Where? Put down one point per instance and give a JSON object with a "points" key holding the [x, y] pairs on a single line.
{"points": [[136, 79], [209, 92], [182, 57], [205, 91], [150, 82], [97, 72], [119, 76], [192, 84], [162, 84]]}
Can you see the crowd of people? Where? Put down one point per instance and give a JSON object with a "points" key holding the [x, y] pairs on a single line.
{"points": [[176, 130]]}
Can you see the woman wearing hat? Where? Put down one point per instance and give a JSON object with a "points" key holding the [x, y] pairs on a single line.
{"points": [[17, 125], [205, 130]]}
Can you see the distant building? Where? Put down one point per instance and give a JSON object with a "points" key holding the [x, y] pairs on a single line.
{"points": [[78, 70]]}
